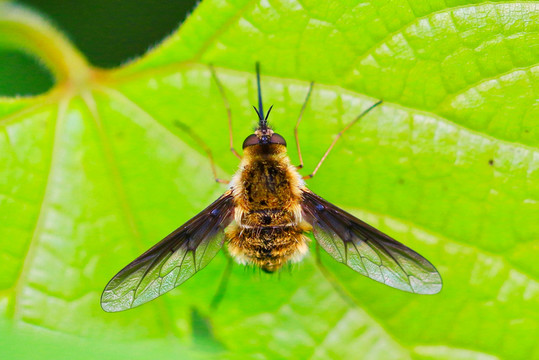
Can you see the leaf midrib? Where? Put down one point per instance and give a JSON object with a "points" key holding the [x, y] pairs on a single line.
{"points": [[112, 163], [33, 241]]}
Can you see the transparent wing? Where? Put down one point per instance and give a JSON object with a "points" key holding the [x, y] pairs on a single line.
{"points": [[367, 250], [171, 261]]}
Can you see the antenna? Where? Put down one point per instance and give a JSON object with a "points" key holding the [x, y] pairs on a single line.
{"points": [[262, 123]]}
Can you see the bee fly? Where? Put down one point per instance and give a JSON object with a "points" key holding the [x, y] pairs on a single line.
{"points": [[263, 219]]}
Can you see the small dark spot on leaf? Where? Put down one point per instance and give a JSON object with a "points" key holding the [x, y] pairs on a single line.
{"points": [[491, 162]]}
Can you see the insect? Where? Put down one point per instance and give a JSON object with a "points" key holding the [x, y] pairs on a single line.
{"points": [[263, 219]]}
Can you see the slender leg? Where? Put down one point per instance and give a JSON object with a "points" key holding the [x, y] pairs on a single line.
{"points": [[299, 120], [204, 146], [343, 293], [311, 175], [221, 290], [228, 111]]}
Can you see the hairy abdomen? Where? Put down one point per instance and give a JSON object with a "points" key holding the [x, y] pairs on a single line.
{"points": [[267, 247], [268, 230]]}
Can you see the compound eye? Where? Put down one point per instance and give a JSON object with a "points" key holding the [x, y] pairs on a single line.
{"points": [[277, 139], [250, 140]]}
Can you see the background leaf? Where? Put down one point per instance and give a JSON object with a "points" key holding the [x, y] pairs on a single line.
{"points": [[95, 171]]}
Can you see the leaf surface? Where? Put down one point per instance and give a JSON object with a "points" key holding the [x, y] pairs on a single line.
{"points": [[95, 172]]}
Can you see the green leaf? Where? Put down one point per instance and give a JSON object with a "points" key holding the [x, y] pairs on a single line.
{"points": [[95, 171]]}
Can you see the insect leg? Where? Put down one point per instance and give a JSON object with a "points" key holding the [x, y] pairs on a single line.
{"points": [[343, 293], [204, 146], [311, 175], [228, 111], [221, 290], [297, 124]]}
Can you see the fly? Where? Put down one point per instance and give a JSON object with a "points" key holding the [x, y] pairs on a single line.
{"points": [[263, 219]]}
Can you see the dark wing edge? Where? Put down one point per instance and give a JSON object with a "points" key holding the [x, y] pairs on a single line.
{"points": [[171, 261], [367, 250]]}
